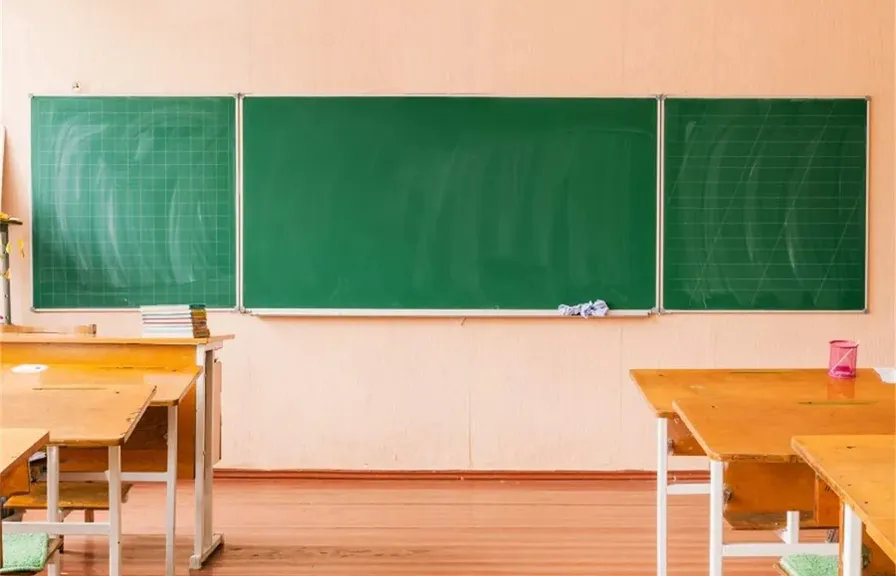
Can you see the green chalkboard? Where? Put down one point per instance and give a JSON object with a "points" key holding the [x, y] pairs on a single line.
{"points": [[133, 201], [765, 204], [449, 203]]}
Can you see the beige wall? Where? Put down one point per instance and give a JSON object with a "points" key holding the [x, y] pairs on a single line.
{"points": [[430, 394]]}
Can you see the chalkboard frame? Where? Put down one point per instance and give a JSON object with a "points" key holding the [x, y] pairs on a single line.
{"points": [[436, 312], [661, 253], [75, 93]]}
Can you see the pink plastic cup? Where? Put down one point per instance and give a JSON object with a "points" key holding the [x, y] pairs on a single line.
{"points": [[843, 357]]}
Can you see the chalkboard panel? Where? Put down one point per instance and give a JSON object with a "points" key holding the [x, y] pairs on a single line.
{"points": [[765, 204], [133, 201], [449, 203]]}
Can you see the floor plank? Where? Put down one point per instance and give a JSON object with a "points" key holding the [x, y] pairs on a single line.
{"points": [[370, 528]]}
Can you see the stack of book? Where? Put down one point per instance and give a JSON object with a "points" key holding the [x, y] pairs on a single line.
{"points": [[180, 321]]}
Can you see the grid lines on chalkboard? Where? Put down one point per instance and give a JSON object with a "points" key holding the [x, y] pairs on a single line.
{"points": [[765, 204], [133, 201]]}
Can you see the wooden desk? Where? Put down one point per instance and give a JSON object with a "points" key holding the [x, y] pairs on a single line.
{"points": [[17, 445], [83, 417], [749, 441], [171, 386], [199, 419], [861, 470], [661, 388]]}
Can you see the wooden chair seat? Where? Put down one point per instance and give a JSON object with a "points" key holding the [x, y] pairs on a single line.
{"points": [[764, 522], [72, 496]]}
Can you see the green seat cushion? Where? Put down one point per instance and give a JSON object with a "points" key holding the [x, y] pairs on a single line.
{"points": [[24, 552], [809, 565]]}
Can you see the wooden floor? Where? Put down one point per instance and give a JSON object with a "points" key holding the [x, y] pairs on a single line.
{"points": [[418, 528]]}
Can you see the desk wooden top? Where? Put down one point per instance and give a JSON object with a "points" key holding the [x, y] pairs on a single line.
{"points": [[861, 470], [663, 387], [171, 385], [87, 416], [17, 445], [760, 430], [37, 338]]}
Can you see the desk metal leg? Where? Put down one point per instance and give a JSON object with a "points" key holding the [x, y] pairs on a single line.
{"points": [[114, 510], [716, 504], [852, 542], [791, 534], [662, 493], [208, 544], [53, 498], [52, 484], [206, 541], [199, 489], [54, 564], [171, 494]]}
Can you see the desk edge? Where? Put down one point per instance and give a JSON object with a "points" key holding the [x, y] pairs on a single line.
{"points": [[43, 441]]}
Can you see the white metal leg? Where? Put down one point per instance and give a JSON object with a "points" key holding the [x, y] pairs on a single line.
{"points": [[52, 485], [852, 543], [171, 495], [53, 499], [208, 489], [662, 485], [716, 504], [791, 534], [114, 511], [199, 537], [54, 562], [206, 541]]}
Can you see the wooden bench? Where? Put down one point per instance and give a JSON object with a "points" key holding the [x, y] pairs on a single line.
{"points": [[87, 496]]}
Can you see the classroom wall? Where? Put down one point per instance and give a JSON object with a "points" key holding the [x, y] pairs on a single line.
{"points": [[474, 394]]}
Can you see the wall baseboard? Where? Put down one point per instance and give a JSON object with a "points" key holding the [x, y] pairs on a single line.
{"points": [[681, 476]]}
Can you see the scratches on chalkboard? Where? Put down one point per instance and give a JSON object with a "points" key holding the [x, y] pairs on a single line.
{"points": [[765, 204], [134, 201]]}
